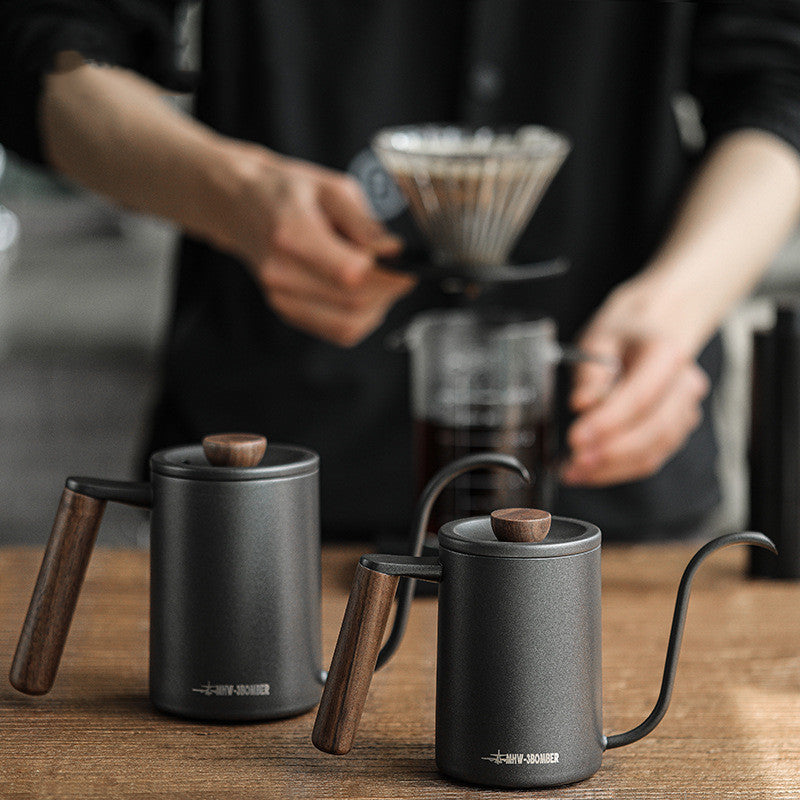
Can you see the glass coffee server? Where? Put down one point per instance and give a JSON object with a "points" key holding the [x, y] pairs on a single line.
{"points": [[481, 379]]}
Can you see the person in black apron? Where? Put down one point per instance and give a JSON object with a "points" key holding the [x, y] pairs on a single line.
{"points": [[281, 310]]}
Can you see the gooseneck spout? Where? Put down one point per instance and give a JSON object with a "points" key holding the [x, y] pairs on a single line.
{"points": [[676, 633], [419, 527]]}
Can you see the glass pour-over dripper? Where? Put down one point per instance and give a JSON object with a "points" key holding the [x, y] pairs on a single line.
{"points": [[472, 191]]}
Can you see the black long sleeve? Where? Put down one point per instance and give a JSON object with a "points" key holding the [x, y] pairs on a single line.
{"points": [[747, 66], [138, 34]]}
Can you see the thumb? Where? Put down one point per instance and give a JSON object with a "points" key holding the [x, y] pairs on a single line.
{"points": [[343, 202], [593, 376]]}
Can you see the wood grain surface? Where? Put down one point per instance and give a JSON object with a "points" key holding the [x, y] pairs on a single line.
{"points": [[520, 524], [732, 731], [354, 657], [234, 449], [56, 592]]}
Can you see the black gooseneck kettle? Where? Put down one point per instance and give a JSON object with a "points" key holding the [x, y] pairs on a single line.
{"points": [[518, 675]]}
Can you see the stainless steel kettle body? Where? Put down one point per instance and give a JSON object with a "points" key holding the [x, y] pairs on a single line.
{"points": [[235, 585], [234, 580], [518, 671]]}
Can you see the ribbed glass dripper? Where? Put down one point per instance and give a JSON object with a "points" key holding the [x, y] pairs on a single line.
{"points": [[471, 191]]}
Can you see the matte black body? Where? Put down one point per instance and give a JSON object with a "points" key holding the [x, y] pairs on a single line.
{"points": [[235, 589], [519, 665], [519, 686], [775, 445]]}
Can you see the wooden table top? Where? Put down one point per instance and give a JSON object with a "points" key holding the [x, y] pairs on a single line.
{"points": [[732, 731]]}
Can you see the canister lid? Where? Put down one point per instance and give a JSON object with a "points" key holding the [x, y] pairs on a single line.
{"points": [[474, 536], [279, 461]]}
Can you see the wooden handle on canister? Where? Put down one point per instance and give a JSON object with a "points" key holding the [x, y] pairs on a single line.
{"points": [[61, 575], [354, 660]]}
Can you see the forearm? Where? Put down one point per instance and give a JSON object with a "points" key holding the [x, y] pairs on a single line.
{"points": [[305, 232], [112, 131], [735, 216]]}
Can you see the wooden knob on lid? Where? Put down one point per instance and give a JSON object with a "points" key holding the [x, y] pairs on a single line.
{"points": [[520, 524], [234, 449]]}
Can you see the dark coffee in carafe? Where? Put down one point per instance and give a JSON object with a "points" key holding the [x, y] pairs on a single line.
{"points": [[479, 492], [483, 381]]}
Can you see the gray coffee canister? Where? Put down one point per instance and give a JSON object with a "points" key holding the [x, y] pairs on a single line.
{"points": [[235, 585], [235, 589]]}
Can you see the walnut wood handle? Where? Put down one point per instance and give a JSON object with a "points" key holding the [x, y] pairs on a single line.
{"points": [[354, 660], [520, 524], [234, 449], [44, 632]]}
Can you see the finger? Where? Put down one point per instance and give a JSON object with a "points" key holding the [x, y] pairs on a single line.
{"points": [[304, 233], [592, 379], [647, 376], [331, 323], [381, 287], [343, 201], [644, 448]]}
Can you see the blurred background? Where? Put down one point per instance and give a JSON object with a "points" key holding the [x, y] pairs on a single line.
{"points": [[84, 296], [84, 300]]}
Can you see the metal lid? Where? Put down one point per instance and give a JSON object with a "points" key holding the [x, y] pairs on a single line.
{"points": [[279, 461], [474, 536]]}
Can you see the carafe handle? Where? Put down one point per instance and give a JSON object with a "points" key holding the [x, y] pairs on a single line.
{"points": [[61, 575], [358, 645]]}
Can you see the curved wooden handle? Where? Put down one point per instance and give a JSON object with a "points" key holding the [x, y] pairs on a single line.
{"points": [[234, 449], [44, 632], [354, 660]]}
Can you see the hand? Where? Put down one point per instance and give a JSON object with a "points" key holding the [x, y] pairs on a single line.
{"points": [[631, 423], [309, 238], [305, 232]]}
